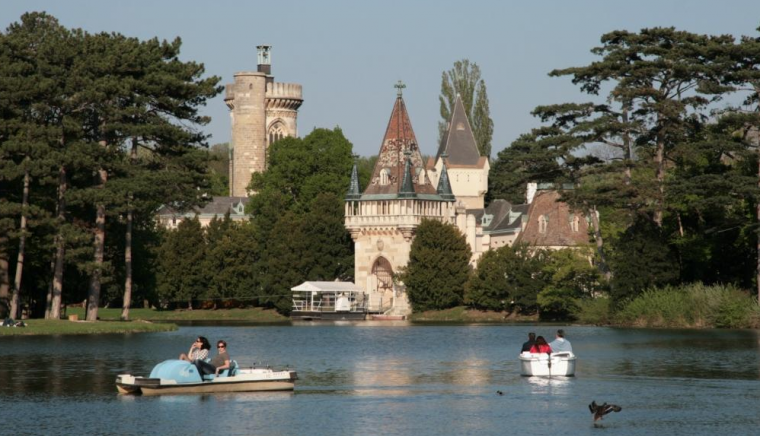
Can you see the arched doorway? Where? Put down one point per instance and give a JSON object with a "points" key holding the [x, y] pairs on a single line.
{"points": [[383, 271]]}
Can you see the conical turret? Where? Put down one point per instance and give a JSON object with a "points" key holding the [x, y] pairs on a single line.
{"points": [[354, 188], [389, 171], [459, 142], [407, 187], [444, 186]]}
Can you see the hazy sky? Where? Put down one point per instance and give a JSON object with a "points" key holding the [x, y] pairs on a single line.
{"points": [[349, 54]]}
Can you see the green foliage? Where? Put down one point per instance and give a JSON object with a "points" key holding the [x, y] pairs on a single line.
{"points": [[594, 311], [438, 267], [694, 305], [75, 104], [180, 275], [571, 277], [464, 80], [641, 260]]}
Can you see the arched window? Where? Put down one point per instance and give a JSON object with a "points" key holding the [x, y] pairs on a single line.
{"points": [[276, 132], [385, 176]]}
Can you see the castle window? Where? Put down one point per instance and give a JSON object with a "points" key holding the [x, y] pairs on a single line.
{"points": [[276, 132], [385, 176], [575, 221], [543, 221]]}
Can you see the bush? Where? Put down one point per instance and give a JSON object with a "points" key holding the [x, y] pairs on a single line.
{"points": [[692, 305], [596, 311]]}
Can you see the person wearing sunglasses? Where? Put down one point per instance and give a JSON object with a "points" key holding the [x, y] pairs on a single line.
{"points": [[198, 351], [218, 363]]}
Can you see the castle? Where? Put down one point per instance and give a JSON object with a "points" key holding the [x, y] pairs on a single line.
{"points": [[262, 111], [449, 187]]}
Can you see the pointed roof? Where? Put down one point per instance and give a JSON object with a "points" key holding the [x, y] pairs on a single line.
{"points": [[444, 185], [354, 189], [459, 141], [389, 170], [407, 187]]}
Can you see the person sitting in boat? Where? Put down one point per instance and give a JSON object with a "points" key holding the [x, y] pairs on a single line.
{"points": [[561, 344], [218, 363], [198, 351], [526, 345], [540, 346]]}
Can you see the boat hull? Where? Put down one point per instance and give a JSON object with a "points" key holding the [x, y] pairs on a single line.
{"points": [[255, 380], [540, 365]]}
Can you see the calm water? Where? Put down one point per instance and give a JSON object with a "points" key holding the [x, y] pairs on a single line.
{"points": [[393, 379]]}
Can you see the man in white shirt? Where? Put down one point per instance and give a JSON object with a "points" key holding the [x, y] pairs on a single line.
{"points": [[561, 344]]}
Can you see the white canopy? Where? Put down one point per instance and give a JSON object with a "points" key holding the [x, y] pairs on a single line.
{"points": [[327, 287]]}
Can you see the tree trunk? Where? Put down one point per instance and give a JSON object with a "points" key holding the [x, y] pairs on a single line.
{"points": [[659, 204], [5, 283], [757, 212], [93, 297], [628, 152], [128, 247], [15, 298], [600, 245], [60, 247], [127, 267]]}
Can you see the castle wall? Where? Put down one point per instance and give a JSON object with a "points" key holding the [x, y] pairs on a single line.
{"points": [[246, 99]]}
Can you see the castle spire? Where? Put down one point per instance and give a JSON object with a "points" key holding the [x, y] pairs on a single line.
{"points": [[459, 141], [354, 189], [389, 171], [407, 186], [444, 186]]}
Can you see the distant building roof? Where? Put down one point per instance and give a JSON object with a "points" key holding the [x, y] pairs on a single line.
{"points": [[551, 223], [218, 206]]}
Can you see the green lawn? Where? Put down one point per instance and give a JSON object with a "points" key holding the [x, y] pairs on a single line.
{"points": [[63, 327], [256, 314]]}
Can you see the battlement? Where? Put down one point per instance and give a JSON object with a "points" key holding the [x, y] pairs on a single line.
{"points": [[284, 90], [284, 96]]}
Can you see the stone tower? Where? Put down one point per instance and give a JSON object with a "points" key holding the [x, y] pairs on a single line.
{"points": [[383, 219], [262, 111]]}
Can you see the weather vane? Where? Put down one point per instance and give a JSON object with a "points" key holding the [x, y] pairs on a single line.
{"points": [[400, 85]]}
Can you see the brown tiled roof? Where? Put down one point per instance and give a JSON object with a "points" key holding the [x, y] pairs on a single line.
{"points": [[399, 138], [459, 142], [558, 218]]}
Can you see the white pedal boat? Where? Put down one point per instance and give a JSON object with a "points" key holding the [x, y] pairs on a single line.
{"points": [[546, 365], [181, 377]]}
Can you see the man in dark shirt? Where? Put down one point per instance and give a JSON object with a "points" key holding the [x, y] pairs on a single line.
{"points": [[531, 341], [218, 363]]}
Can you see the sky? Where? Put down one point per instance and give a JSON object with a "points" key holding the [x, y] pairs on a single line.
{"points": [[348, 54]]}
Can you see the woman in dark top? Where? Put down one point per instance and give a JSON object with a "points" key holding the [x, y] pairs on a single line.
{"points": [[218, 363]]}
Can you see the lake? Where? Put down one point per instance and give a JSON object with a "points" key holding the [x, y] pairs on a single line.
{"points": [[392, 378]]}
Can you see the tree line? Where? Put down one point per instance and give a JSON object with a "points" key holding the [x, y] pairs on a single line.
{"points": [[96, 131]]}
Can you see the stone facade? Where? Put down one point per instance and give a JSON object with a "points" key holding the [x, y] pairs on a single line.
{"points": [[261, 111]]}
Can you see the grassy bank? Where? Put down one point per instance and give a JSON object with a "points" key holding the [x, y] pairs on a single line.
{"points": [[63, 327], [462, 314], [252, 315]]}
